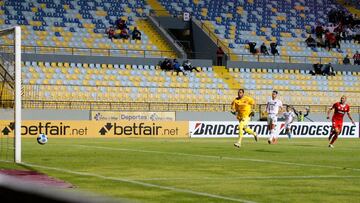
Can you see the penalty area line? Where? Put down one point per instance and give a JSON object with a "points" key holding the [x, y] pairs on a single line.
{"points": [[219, 157], [140, 183]]}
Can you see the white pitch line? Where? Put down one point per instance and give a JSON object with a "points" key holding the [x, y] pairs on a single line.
{"points": [[252, 178], [141, 183], [220, 157]]}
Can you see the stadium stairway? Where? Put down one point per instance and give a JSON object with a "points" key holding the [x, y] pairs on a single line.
{"points": [[159, 10], [228, 78]]}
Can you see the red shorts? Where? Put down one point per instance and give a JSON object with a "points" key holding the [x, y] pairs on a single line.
{"points": [[337, 124]]}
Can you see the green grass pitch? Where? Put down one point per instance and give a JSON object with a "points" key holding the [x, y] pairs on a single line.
{"points": [[202, 170]]}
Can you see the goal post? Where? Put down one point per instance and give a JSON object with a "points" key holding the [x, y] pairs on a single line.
{"points": [[10, 65]]}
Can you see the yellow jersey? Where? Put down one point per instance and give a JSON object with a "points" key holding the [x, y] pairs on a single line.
{"points": [[242, 106]]}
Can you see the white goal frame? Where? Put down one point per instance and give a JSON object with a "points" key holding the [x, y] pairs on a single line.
{"points": [[16, 31]]}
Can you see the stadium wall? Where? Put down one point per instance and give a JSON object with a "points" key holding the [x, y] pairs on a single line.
{"points": [[204, 47], [172, 23], [178, 49], [104, 59]]}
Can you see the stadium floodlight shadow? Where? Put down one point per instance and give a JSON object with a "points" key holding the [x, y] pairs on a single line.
{"points": [[14, 190]]}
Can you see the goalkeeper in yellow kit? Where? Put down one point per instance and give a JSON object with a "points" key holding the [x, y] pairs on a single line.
{"points": [[242, 108]]}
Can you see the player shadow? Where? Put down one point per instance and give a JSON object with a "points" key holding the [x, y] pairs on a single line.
{"points": [[305, 145], [268, 151]]}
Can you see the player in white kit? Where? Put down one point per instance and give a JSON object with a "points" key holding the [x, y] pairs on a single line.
{"points": [[272, 108], [289, 116]]}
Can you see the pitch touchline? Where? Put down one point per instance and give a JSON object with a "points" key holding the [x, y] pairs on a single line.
{"points": [[219, 157], [140, 183]]}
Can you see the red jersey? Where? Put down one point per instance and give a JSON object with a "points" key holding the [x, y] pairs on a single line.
{"points": [[340, 110]]}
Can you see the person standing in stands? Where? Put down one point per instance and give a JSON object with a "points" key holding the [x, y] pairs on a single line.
{"points": [[356, 58], [242, 107], [263, 49], [219, 56], [273, 48], [252, 48], [346, 60]]}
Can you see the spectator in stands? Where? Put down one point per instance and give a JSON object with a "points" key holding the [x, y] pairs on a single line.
{"points": [[310, 42], [166, 65], [329, 70], [330, 40], [219, 56], [317, 69], [110, 32], [124, 34], [300, 115], [356, 35], [337, 40], [273, 48], [321, 42], [121, 24], [356, 58], [263, 49], [346, 60], [136, 34], [176, 67], [252, 48], [319, 31], [188, 67]]}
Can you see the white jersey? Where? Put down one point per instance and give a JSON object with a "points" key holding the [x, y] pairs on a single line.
{"points": [[289, 116], [272, 106]]}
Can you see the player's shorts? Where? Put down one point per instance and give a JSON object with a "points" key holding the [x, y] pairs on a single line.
{"points": [[288, 125], [337, 124], [272, 118], [244, 121]]}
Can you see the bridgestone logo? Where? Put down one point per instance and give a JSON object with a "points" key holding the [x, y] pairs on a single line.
{"points": [[208, 129], [304, 129]]}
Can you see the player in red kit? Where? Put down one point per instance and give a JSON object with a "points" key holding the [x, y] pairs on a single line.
{"points": [[340, 108]]}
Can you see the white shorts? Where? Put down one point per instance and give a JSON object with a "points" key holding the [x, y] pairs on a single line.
{"points": [[272, 119], [288, 125]]}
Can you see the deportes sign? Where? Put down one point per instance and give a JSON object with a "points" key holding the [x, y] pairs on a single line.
{"points": [[132, 116], [302, 129]]}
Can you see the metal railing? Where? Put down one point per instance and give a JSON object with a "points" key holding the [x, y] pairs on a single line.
{"points": [[148, 106], [284, 58], [89, 51]]}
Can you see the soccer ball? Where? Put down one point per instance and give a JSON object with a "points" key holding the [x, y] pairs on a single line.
{"points": [[42, 139]]}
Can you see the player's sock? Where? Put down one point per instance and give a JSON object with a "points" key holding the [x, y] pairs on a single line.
{"points": [[251, 132], [241, 133], [331, 135], [334, 138]]}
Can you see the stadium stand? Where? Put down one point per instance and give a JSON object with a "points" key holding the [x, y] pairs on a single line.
{"points": [[82, 82], [75, 27], [236, 23], [81, 25]]}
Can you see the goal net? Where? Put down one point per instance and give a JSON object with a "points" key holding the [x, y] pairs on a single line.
{"points": [[10, 94]]}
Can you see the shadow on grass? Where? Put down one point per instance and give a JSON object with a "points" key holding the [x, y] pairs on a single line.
{"points": [[268, 151]]}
